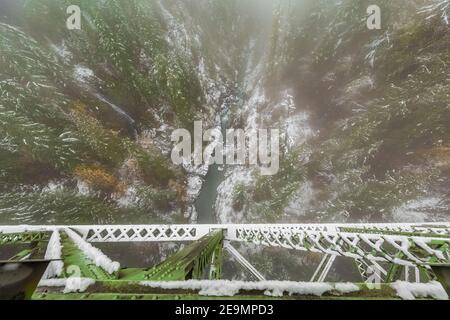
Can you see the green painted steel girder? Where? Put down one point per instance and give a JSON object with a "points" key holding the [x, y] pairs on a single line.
{"points": [[189, 263], [23, 237], [192, 262], [391, 232], [126, 290], [77, 264], [215, 272]]}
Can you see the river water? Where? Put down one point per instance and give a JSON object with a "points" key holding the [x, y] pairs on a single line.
{"points": [[205, 202]]}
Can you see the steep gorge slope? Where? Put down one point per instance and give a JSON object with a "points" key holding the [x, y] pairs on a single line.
{"points": [[86, 116], [365, 113]]}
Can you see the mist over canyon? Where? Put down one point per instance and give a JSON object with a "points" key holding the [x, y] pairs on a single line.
{"points": [[86, 115]]}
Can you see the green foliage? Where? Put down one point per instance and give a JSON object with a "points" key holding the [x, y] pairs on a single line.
{"points": [[102, 144], [357, 198], [380, 97], [53, 123], [267, 198], [26, 138], [45, 207], [155, 200], [156, 168], [239, 197]]}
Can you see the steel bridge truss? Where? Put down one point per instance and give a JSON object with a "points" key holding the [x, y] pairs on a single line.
{"points": [[383, 253]]}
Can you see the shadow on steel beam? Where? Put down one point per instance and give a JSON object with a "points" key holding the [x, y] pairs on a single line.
{"points": [[442, 272], [19, 279]]}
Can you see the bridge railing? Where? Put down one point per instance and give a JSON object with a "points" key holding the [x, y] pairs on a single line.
{"points": [[404, 244]]}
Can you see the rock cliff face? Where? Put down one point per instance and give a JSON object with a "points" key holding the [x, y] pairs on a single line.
{"points": [[86, 116]]}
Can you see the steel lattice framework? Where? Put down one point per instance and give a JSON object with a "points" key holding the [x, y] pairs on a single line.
{"points": [[387, 251], [404, 244]]}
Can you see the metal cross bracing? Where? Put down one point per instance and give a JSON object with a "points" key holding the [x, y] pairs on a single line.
{"points": [[404, 244], [387, 252], [22, 237]]}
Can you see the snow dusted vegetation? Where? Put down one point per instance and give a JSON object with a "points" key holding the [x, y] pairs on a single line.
{"points": [[421, 210], [355, 143], [86, 117]]}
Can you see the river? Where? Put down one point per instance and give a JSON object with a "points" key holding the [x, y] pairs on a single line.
{"points": [[205, 202]]}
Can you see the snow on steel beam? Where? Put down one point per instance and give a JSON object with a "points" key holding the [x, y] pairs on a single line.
{"points": [[92, 253], [406, 244], [53, 252], [414, 250]]}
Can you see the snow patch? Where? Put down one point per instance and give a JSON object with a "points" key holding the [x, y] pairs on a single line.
{"points": [[194, 186], [346, 287], [128, 199], [72, 284], [257, 99], [177, 35], [159, 137], [226, 288], [301, 201], [12, 28], [200, 170], [224, 201], [411, 291], [83, 188], [415, 211], [192, 214], [298, 130], [62, 52], [53, 187], [82, 73]]}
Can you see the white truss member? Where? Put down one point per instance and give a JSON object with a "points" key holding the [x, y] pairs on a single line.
{"points": [[55, 268], [324, 268], [244, 262], [402, 244], [370, 269]]}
